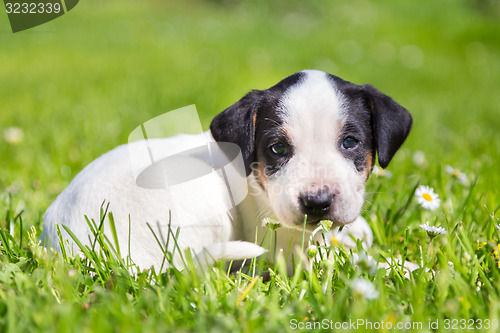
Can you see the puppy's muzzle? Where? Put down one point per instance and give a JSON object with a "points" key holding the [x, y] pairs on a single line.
{"points": [[316, 203]]}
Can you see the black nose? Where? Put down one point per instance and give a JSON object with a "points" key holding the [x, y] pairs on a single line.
{"points": [[317, 203]]}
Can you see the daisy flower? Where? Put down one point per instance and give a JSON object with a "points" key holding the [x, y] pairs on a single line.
{"points": [[433, 231], [13, 135], [271, 223], [427, 198], [419, 158], [364, 288], [312, 251], [456, 173], [379, 172], [334, 241]]}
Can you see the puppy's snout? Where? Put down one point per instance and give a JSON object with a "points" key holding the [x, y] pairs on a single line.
{"points": [[316, 203]]}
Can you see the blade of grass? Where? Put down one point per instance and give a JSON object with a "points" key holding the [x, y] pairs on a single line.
{"points": [[112, 227], [90, 255]]}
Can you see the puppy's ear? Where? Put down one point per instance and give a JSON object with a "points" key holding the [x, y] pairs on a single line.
{"points": [[236, 124], [391, 124]]}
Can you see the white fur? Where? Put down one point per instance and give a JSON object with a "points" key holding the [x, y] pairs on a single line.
{"points": [[110, 178], [235, 250], [313, 121]]}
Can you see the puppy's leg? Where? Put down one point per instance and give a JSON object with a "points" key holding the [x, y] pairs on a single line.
{"points": [[234, 250]]}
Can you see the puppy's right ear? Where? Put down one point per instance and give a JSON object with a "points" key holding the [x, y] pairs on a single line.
{"points": [[236, 124]]}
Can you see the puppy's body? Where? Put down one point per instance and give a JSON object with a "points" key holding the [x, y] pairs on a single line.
{"points": [[110, 179], [308, 145]]}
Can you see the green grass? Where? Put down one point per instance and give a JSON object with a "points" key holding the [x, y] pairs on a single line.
{"points": [[79, 85]]}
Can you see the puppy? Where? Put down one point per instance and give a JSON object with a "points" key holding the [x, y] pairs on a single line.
{"points": [[308, 145]]}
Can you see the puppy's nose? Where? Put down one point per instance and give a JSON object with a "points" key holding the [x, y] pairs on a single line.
{"points": [[317, 203]]}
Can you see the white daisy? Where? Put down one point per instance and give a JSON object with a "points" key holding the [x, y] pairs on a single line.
{"points": [[379, 172], [427, 198], [312, 251], [456, 173], [433, 231], [271, 223], [13, 135], [419, 158], [364, 288]]}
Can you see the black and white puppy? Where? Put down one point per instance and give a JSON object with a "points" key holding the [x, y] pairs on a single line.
{"points": [[308, 144]]}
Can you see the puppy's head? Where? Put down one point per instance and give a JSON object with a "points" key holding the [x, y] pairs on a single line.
{"points": [[310, 143]]}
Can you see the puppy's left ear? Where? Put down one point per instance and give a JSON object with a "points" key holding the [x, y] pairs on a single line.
{"points": [[391, 124], [236, 124]]}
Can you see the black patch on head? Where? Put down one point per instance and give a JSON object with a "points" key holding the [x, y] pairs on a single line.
{"points": [[375, 120], [254, 121], [265, 140], [358, 125]]}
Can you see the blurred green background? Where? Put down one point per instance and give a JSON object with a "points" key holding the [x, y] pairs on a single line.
{"points": [[77, 86]]}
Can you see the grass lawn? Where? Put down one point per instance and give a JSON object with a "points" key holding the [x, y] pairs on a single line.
{"points": [[75, 88]]}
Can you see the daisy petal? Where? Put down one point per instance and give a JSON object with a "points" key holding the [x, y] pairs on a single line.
{"points": [[427, 198], [433, 231]]}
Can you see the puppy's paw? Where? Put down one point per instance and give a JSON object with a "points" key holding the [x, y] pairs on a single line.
{"points": [[235, 250]]}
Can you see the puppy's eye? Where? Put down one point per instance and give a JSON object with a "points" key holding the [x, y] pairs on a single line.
{"points": [[279, 149], [349, 143]]}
